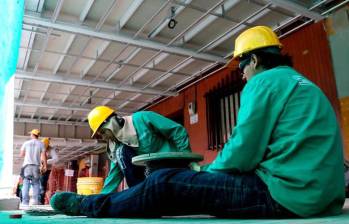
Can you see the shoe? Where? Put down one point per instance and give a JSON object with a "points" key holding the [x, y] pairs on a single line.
{"points": [[67, 203], [23, 206]]}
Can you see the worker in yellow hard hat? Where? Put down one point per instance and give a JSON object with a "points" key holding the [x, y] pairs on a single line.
{"points": [[283, 159], [34, 155], [35, 132], [142, 132], [52, 158]]}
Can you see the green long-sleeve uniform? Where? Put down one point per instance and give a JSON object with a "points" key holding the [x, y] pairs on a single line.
{"points": [[288, 134], [155, 134]]}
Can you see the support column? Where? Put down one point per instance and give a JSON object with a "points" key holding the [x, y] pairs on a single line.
{"points": [[11, 17]]}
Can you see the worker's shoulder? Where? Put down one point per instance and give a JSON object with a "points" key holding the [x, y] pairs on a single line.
{"points": [[278, 77], [277, 74], [29, 141], [33, 141], [145, 113]]}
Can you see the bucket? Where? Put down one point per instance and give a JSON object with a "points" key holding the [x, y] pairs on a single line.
{"points": [[89, 185]]}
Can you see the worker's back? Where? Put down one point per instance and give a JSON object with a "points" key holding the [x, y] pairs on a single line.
{"points": [[33, 149], [303, 166]]}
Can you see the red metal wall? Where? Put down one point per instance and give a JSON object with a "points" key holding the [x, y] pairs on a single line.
{"points": [[311, 54], [197, 132]]}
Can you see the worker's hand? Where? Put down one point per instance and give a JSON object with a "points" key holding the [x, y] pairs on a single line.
{"points": [[195, 166], [43, 169]]}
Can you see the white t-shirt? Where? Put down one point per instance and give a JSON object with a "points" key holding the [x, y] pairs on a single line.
{"points": [[33, 149]]}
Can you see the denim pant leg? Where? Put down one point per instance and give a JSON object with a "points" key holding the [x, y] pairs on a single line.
{"points": [[183, 192], [133, 174], [36, 191], [25, 191], [33, 172]]}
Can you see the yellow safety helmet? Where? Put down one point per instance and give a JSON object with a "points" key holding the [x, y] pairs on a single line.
{"points": [[97, 116], [255, 38], [35, 132], [46, 141]]}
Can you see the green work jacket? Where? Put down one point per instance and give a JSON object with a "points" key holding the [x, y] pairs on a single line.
{"points": [[287, 133], [155, 133]]}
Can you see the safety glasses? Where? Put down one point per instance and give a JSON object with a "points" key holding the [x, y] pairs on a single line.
{"points": [[244, 62]]}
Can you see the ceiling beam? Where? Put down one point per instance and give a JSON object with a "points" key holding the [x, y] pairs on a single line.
{"points": [[97, 84], [99, 50], [196, 74], [118, 37], [207, 21], [45, 121], [86, 9], [131, 56], [235, 28], [334, 7], [164, 23], [297, 9], [173, 40], [187, 37], [161, 57], [54, 17], [40, 5], [39, 104], [129, 12]]}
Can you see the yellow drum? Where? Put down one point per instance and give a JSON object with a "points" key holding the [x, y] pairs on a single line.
{"points": [[89, 185]]}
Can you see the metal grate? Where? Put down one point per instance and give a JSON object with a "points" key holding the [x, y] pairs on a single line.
{"points": [[222, 105]]}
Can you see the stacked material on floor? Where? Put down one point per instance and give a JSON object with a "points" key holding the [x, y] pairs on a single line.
{"points": [[10, 203]]}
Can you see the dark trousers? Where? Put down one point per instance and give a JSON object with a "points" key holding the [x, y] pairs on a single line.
{"points": [[133, 174], [43, 186], [169, 192]]}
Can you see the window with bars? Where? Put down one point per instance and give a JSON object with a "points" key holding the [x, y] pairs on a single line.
{"points": [[222, 105]]}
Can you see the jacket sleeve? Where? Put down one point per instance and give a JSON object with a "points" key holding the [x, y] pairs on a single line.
{"points": [[113, 179], [169, 129], [54, 157], [248, 143]]}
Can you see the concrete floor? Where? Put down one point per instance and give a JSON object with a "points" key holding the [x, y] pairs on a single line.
{"points": [[28, 217]]}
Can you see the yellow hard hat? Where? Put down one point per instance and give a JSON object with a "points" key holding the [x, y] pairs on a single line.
{"points": [[35, 132], [97, 116], [46, 141], [255, 38]]}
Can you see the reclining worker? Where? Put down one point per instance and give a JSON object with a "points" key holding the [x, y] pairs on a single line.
{"points": [[283, 159], [129, 136]]}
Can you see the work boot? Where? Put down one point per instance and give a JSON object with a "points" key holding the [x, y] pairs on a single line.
{"points": [[67, 203]]}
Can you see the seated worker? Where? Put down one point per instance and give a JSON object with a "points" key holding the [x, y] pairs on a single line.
{"points": [[129, 136], [283, 159]]}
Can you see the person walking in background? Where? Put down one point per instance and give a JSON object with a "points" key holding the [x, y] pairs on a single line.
{"points": [[52, 158], [33, 152]]}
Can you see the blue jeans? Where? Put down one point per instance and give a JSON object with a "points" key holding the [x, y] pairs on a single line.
{"points": [[170, 192], [133, 174], [31, 177]]}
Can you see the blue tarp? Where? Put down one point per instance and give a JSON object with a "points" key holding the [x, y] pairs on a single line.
{"points": [[11, 18]]}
